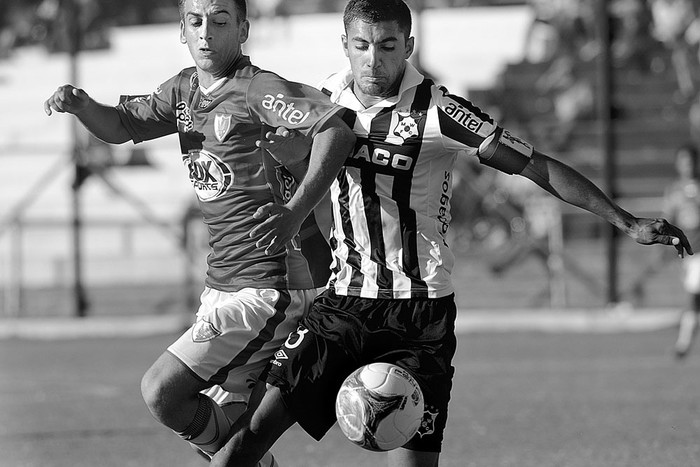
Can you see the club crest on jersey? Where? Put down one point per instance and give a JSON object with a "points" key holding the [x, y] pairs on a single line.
{"points": [[427, 425], [222, 124], [203, 331], [405, 125], [209, 175]]}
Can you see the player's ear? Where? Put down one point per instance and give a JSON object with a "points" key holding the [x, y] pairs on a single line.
{"points": [[244, 31], [183, 39], [410, 44], [344, 41]]}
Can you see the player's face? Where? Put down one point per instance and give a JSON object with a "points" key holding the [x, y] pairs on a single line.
{"points": [[378, 54], [213, 33]]}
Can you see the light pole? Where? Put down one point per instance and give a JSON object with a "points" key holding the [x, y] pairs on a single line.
{"points": [[80, 304], [607, 140]]}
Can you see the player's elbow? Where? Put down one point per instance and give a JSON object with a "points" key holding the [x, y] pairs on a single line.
{"points": [[118, 136]]}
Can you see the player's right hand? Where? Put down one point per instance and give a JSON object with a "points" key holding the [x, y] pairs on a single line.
{"points": [[67, 99]]}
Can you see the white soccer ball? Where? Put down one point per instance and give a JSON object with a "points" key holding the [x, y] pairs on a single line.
{"points": [[379, 407]]}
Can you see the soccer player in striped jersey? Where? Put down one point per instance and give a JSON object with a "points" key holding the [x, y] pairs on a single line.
{"points": [[390, 297], [253, 298]]}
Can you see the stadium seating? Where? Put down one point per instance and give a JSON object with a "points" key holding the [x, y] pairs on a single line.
{"points": [[649, 121]]}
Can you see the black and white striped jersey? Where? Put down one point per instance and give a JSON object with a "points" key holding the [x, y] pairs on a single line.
{"points": [[391, 201]]}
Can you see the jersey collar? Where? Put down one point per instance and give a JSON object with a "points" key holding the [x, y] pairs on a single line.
{"points": [[240, 63]]}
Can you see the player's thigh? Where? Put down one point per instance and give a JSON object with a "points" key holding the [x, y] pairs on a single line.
{"points": [[406, 458], [311, 366], [691, 274], [235, 334], [427, 352]]}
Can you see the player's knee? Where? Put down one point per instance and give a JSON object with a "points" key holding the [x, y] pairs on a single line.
{"points": [[159, 392]]}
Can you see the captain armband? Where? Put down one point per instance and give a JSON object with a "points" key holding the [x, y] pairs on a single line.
{"points": [[505, 152]]}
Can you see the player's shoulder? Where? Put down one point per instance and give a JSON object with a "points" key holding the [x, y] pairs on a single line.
{"points": [[185, 80]]}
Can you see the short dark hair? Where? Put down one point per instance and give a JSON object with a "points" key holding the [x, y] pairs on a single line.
{"points": [[240, 5], [375, 11]]}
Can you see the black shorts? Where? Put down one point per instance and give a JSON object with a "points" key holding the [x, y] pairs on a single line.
{"points": [[340, 334]]}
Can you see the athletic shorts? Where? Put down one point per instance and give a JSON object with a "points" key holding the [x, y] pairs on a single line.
{"points": [[340, 334], [691, 274], [236, 333]]}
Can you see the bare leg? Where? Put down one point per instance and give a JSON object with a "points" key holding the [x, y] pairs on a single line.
{"points": [[254, 433], [173, 395], [688, 327], [171, 392]]}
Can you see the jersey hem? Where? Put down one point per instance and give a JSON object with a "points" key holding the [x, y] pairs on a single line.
{"points": [[391, 293]]}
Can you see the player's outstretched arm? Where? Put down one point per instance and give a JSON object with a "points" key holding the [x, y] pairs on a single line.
{"points": [[101, 120], [330, 148], [570, 186]]}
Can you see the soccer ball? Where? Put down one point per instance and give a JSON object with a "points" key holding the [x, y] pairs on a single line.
{"points": [[379, 407]]}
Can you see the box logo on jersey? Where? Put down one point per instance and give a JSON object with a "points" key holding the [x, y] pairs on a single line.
{"points": [[286, 111], [209, 175]]}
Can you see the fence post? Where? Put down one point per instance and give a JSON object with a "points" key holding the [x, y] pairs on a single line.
{"points": [[14, 292]]}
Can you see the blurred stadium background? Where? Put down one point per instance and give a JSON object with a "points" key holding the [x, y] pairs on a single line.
{"points": [[124, 242], [117, 235]]}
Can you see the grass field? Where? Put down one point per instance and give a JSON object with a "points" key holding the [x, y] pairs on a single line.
{"points": [[521, 399]]}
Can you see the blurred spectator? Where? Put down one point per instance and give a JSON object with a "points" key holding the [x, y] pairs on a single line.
{"points": [[572, 98], [53, 15], [694, 119], [672, 20], [631, 31], [559, 28], [562, 35], [682, 206], [534, 216], [267, 8], [274, 15], [16, 26]]}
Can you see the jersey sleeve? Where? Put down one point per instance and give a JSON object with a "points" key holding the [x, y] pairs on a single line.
{"points": [[150, 116], [276, 102], [466, 128]]}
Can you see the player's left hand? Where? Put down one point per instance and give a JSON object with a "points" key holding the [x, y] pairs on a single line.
{"points": [[286, 146], [279, 225], [651, 231]]}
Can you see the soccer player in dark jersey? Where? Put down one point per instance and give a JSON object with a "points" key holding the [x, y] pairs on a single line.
{"points": [[390, 297], [253, 298]]}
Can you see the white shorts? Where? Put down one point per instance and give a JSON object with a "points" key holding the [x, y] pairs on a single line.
{"points": [[691, 274], [236, 333]]}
